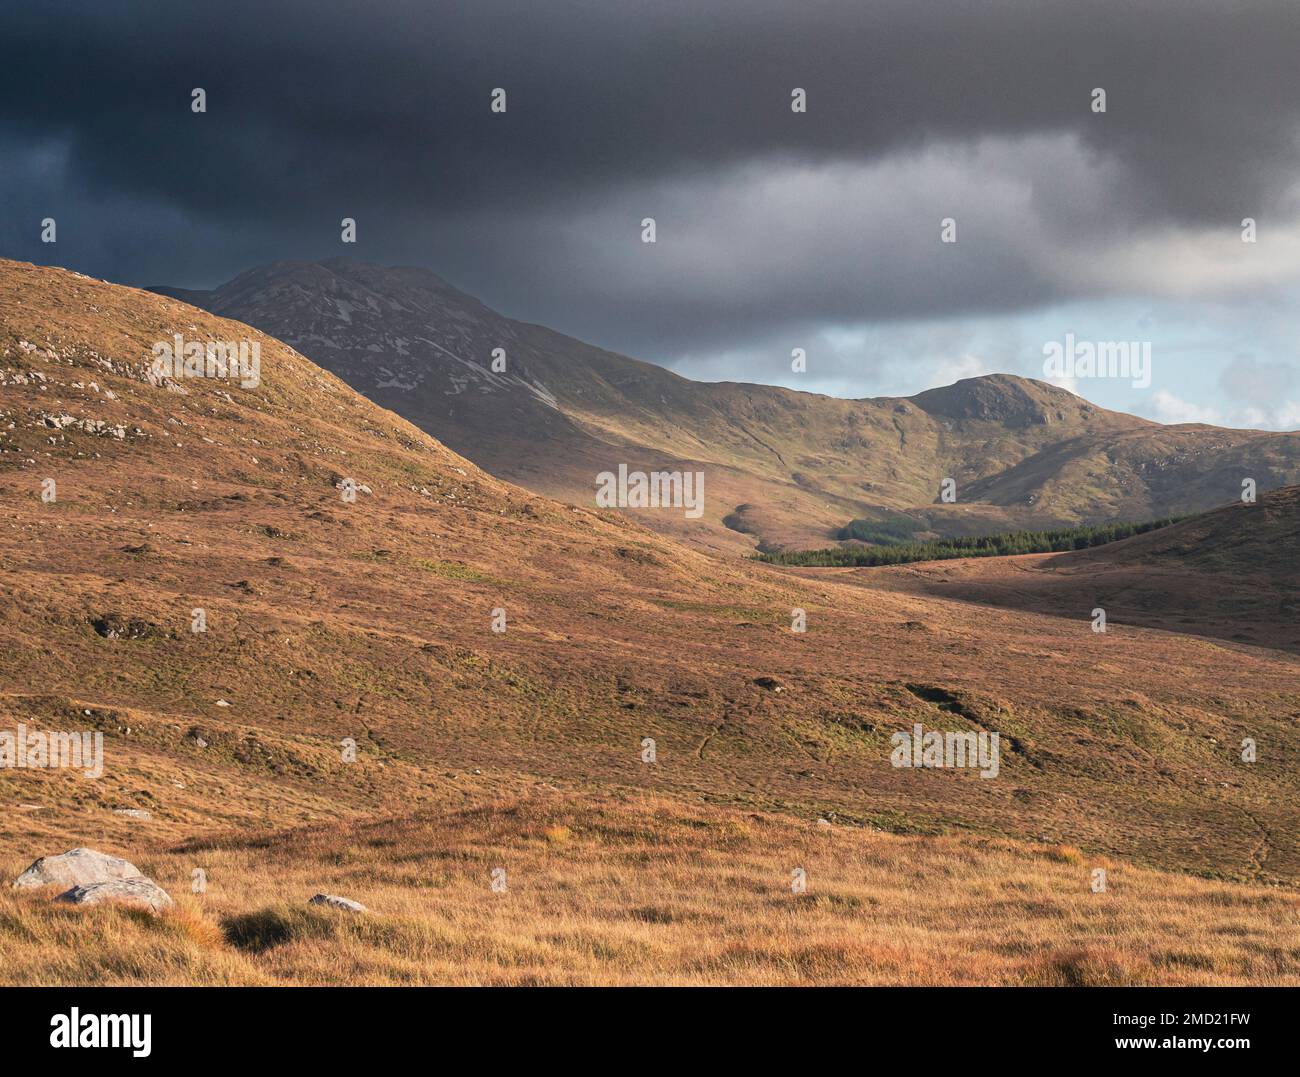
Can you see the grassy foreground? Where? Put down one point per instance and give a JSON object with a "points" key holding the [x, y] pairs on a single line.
{"points": [[652, 891]]}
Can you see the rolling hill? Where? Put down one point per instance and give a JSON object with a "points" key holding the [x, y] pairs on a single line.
{"points": [[1232, 573], [783, 468]]}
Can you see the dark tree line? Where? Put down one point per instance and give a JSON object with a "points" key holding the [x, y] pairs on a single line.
{"points": [[1013, 542]]}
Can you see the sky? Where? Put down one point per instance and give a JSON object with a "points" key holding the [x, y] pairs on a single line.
{"points": [[820, 230]]}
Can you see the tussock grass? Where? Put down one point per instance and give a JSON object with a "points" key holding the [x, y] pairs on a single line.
{"points": [[1066, 854], [655, 891]]}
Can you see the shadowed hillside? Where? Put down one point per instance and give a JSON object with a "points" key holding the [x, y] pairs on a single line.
{"points": [[1233, 574], [1245, 541]]}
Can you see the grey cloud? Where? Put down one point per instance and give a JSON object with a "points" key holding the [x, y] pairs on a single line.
{"points": [[678, 110]]}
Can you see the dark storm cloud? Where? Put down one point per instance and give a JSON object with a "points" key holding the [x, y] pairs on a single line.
{"points": [[379, 111]]}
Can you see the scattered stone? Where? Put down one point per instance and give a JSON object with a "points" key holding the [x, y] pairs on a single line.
{"points": [[334, 902], [134, 813], [90, 426], [222, 703], [77, 867], [770, 683], [137, 892], [115, 626], [823, 824]]}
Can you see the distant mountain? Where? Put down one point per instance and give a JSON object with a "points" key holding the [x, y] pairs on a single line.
{"points": [[782, 468]]}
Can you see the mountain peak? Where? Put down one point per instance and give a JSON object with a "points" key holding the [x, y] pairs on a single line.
{"points": [[1006, 399]]}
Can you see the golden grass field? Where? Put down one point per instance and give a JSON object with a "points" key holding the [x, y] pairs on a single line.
{"points": [[646, 890], [371, 621]]}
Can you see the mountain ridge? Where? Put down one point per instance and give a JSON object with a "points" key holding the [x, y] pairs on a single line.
{"points": [[784, 467]]}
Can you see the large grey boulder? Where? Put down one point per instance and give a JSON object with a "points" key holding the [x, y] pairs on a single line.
{"points": [[79, 867], [334, 902], [137, 892]]}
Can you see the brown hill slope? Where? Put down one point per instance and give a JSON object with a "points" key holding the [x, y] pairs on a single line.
{"points": [[372, 620], [1232, 574], [781, 467], [1261, 539]]}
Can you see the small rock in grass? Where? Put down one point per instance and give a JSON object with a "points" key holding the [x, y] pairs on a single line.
{"points": [[338, 903]]}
